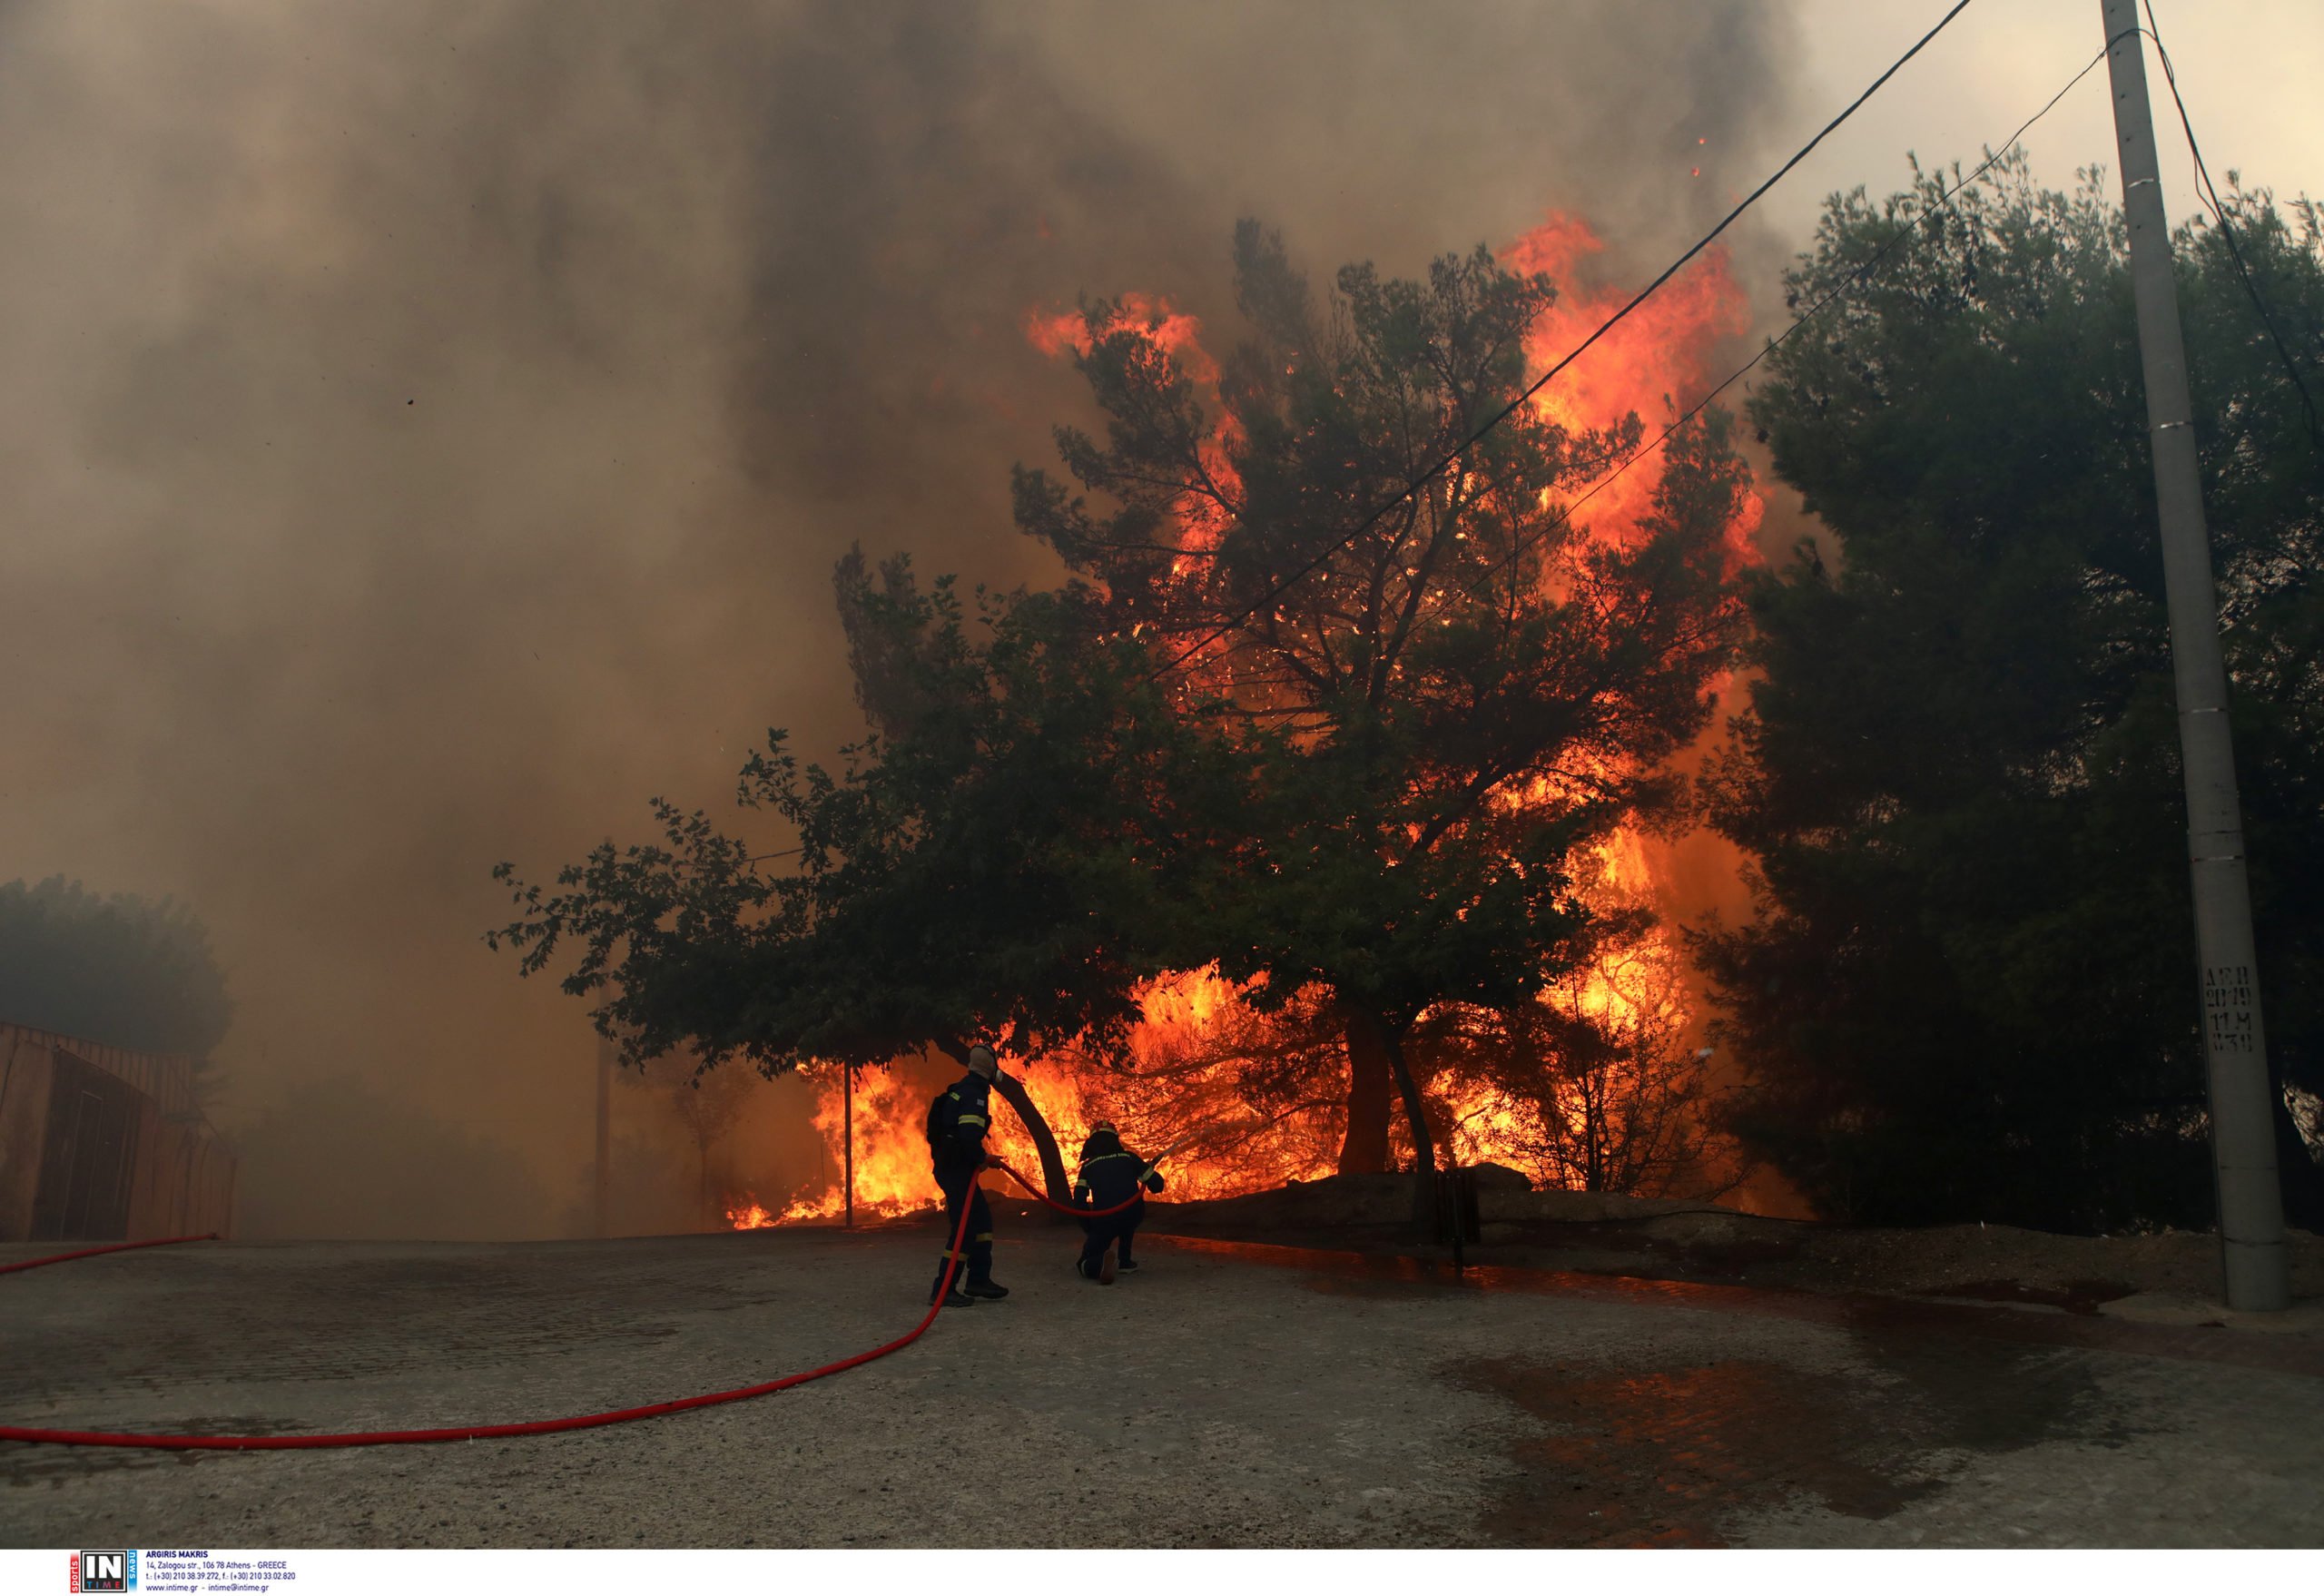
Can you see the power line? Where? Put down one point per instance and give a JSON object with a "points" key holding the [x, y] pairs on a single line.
{"points": [[1993, 156], [1497, 416], [2209, 194]]}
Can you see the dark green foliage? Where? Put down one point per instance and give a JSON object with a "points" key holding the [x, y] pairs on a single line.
{"points": [[120, 969], [990, 869], [977, 873], [1969, 992]]}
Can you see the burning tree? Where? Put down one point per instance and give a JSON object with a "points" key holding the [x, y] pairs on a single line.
{"points": [[1252, 1095], [1430, 707], [1592, 1082], [1340, 760]]}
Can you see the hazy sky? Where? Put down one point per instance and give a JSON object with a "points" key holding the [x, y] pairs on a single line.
{"points": [[426, 429], [2248, 70]]}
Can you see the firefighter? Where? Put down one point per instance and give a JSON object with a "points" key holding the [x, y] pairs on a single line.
{"points": [[1110, 1175], [957, 1122]]}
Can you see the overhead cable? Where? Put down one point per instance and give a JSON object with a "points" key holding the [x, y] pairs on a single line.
{"points": [[1453, 455], [2209, 193], [1993, 157]]}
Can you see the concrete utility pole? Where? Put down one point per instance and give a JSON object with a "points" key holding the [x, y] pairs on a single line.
{"points": [[2243, 1141], [605, 1055]]}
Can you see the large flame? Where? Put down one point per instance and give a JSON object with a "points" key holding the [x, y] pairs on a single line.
{"points": [[1201, 1060], [1653, 363], [892, 1173], [893, 1177]]}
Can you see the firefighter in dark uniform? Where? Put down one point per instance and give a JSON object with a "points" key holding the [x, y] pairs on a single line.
{"points": [[957, 1122], [1110, 1175]]}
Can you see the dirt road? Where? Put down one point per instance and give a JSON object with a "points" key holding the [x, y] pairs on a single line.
{"points": [[1226, 1395]]}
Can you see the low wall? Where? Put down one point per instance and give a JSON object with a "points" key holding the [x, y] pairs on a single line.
{"points": [[104, 1144]]}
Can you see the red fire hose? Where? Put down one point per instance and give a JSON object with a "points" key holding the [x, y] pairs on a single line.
{"points": [[501, 1432], [90, 1252], [1043, 1198]]}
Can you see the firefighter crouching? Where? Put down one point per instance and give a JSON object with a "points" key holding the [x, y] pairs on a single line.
{"points": [[957, 1122], [1110, 1175]]}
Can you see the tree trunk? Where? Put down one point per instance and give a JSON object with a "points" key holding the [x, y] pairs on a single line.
{"points": [[1370, 1083], [1593, 1133], [1044, 1139], [1012, 1090], [1390, 1041]]}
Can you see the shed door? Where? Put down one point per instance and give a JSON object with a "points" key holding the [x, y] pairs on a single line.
{"points": [[89, 1157]]}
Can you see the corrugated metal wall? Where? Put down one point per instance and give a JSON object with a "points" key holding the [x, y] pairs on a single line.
{"points": [[103, 1144]]}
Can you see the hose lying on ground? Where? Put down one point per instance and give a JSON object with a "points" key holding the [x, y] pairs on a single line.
{"points": [[494, 1431], [90, 1252]]}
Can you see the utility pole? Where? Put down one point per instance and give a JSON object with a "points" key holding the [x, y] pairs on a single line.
{"points": [[605, 1136], [849, 1121], [2242, 1110], [851, 1141], [607, 1057]]}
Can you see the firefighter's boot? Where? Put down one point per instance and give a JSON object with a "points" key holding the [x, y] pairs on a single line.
{"points": [[952, 1265], [979, 1282]]}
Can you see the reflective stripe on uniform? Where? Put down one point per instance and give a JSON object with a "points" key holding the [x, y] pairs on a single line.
{"points": [[972, 1119], [981, 1236]]}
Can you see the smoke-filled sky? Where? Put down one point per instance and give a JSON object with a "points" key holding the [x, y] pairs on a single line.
{"points": [[426, 429]]}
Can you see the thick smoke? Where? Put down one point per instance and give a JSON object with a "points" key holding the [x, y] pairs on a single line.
{"points": [[426, 429]]}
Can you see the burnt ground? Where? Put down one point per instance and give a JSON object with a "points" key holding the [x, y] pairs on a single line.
{"points": [[1233, 1392]]}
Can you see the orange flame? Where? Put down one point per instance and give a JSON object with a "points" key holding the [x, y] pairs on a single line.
{"points": [[1651, 364], [745, 1214], [892, 1173], [1175, 332]]}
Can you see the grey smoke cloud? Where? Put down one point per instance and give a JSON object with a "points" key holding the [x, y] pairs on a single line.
{"points": [[426, 429]]}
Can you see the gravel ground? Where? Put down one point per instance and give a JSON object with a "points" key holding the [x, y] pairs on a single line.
{"points": [[1226, 1395]]}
